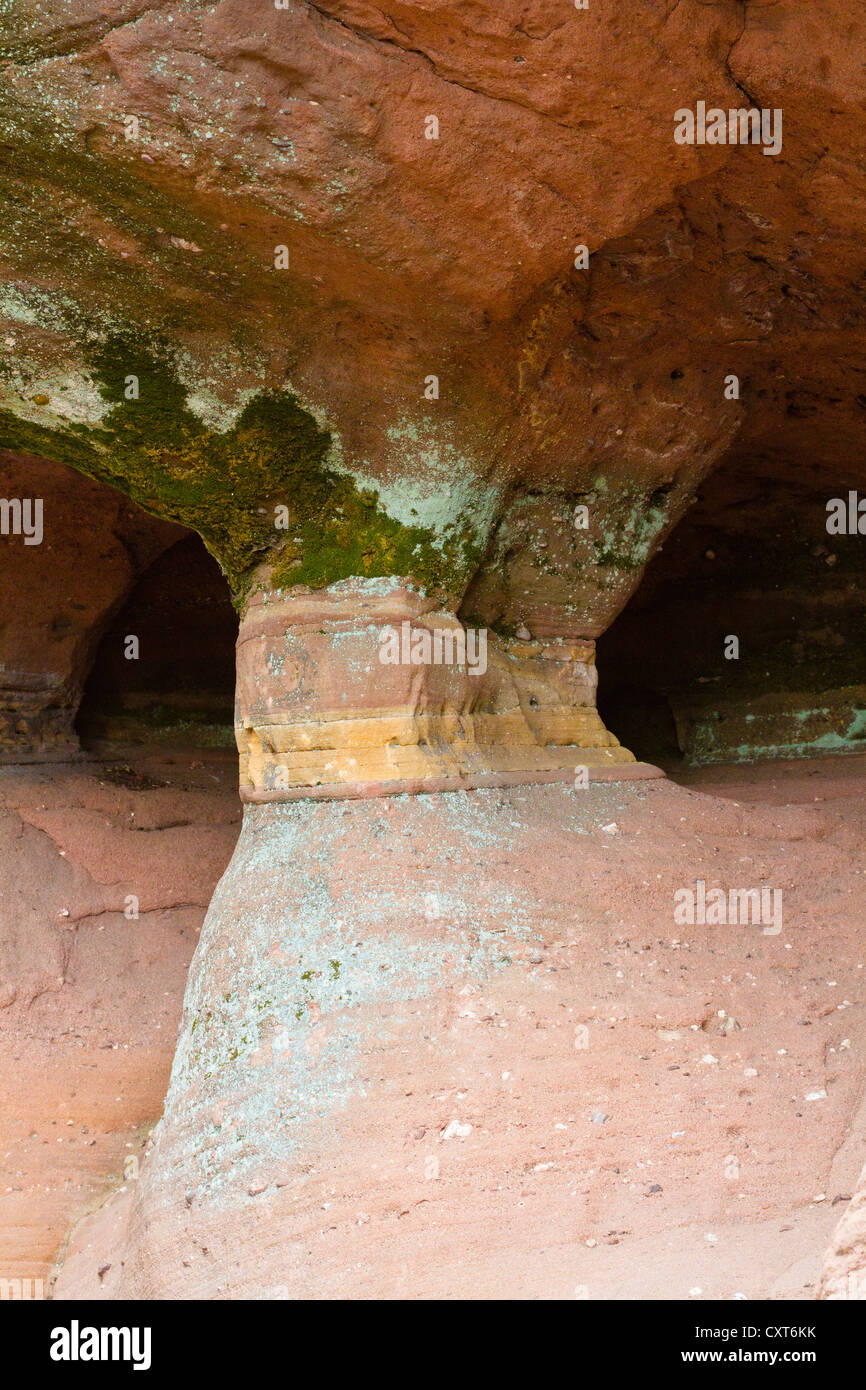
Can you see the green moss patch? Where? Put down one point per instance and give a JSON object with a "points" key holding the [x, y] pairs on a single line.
{"points": [[228, 485]]}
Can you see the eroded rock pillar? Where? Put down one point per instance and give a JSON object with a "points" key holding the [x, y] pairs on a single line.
{"points": [[348, 922], [370, 687]]}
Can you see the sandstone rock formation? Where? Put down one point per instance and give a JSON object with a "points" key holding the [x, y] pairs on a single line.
{"points": [[58, 596], [417, 313], [105, 877], [369, 687], [193, 151], [403, 1122]]}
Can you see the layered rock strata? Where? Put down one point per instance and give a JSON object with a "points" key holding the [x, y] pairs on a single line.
{"points": [[369, 687]]}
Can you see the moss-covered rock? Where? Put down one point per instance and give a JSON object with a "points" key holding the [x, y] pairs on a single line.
{"points": [[263, 484]]}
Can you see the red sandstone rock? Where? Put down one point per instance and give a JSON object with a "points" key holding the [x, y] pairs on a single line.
{"points": [[368, 684], [57, 597], [561, 385], [371, 1185]]}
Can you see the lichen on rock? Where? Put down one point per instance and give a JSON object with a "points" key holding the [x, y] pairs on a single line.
{"points": [[233, 486]]}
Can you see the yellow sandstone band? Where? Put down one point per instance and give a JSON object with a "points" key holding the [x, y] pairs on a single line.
{"points": [[321, 709]]}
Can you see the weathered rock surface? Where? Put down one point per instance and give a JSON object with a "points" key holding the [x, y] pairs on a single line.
{"points": [[368, 686], [390, 1086], [305, 128], [90, 992], [242, 285], [57, 597]]}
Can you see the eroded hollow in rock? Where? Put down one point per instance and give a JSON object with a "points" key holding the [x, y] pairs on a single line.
{"points": [[105, 571], [747, 637], [179, 688]]}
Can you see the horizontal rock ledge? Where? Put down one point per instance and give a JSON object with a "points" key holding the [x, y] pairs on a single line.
{"points": [[627, 769]]}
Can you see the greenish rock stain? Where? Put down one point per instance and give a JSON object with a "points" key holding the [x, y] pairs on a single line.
{"points": [[627, 542], [711, 742], [227, 485]]}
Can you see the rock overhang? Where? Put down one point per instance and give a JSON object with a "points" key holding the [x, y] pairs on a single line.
{"points": [[155, 163]]}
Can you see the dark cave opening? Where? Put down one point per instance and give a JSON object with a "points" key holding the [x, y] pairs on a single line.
{"points": [[174, 683], [747, 636]]}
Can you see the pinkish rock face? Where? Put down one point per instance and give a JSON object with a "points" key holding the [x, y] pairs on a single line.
{"points": [[351, 950]]}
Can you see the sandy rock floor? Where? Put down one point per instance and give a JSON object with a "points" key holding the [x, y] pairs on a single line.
{"points": [[647, 1132], [86, 1046]]}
